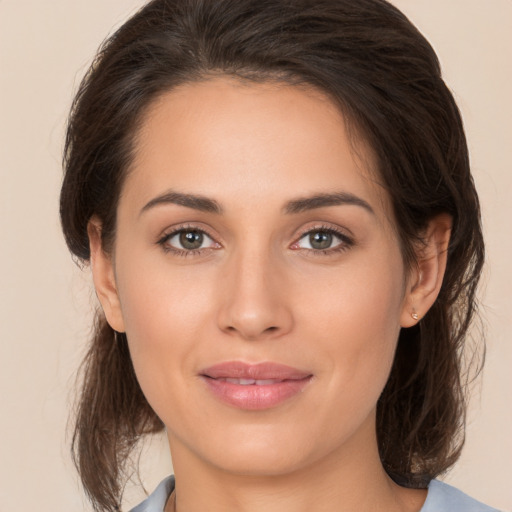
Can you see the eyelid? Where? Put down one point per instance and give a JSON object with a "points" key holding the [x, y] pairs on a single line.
{"points": [[347, 240], [175, 230]]}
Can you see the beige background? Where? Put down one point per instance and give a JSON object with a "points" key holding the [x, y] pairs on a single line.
{"points": [[45, 302]]}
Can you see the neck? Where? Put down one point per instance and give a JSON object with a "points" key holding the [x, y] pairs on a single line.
{"points": [[348, 480]]}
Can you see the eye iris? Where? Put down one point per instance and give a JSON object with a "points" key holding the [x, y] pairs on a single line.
{"points": [[320, 240], [191, 239]]}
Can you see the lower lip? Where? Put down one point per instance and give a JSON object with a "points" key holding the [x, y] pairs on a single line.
{"points": [[254, 397]]}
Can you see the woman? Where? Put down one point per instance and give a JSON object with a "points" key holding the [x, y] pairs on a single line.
{"points": [[284, 236]]}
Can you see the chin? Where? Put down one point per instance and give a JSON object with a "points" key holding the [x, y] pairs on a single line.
{"points": [[263, 452]]}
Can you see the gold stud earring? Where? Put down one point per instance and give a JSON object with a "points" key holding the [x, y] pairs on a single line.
{"points": [[415, 315]]}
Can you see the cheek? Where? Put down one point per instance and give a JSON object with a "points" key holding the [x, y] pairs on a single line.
{"points": [[363, 296], [158, 296], [356, 318], [164, 310]]}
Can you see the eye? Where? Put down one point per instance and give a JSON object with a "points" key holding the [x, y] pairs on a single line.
{"points": [[319, 240], [324, 239], [187, 240]]}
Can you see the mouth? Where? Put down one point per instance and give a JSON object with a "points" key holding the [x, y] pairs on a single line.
{"points": [[251, 382], [254, 386]]}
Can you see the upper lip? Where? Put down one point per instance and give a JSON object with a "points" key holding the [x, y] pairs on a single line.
{"points": [[259, 371]]}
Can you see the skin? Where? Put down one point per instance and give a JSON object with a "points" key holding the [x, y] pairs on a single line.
{"points": [[257, 290]]}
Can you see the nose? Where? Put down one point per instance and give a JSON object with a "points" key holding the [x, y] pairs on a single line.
{"points": [[254, 301]]}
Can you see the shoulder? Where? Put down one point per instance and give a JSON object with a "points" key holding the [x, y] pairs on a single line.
{"points": [[445, 498], [155, 502]]}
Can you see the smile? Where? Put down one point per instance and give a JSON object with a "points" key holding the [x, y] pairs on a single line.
{"points": [[254, 387], [250, 382]]}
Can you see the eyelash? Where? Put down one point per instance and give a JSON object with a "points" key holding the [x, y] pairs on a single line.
{"points": [[345, 244], [184, 252]]}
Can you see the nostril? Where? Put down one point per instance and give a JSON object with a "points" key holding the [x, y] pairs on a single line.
{"points": [[254, 319]]}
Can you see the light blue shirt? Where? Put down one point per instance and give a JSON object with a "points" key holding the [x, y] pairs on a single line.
{"points": [[441, 497]]}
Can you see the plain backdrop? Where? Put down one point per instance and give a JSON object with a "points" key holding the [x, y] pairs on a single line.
{"points": [[46, 301]]}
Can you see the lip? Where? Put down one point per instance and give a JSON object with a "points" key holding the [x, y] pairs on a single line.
{"points": [[260, 386]]}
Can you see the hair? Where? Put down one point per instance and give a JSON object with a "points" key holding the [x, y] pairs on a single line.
{"points": [[386, 79]]}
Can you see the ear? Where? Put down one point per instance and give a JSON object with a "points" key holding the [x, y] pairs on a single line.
{"points": [[104, 277], [426, 278]]}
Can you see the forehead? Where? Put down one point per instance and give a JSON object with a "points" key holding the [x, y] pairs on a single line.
{"points": [[231, 139]]}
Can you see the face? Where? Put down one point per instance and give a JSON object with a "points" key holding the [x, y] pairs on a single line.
{"points": [[257, 274]]}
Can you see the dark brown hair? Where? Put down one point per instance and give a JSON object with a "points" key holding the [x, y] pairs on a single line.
{"points": [[386, 79]]}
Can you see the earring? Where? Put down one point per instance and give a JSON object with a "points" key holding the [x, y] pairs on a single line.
{"points": [[415, 315]]}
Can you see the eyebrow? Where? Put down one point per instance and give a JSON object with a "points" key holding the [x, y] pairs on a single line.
{"points": [[322, 200], [196, 202], [205, 204]]}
